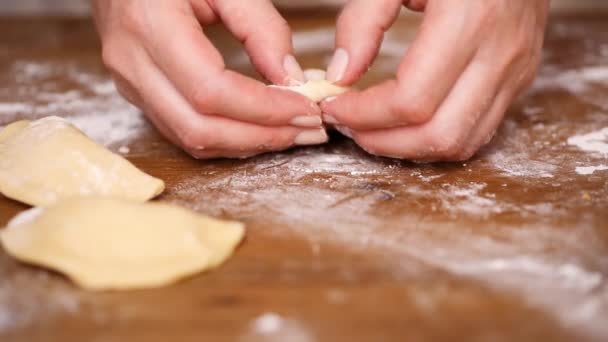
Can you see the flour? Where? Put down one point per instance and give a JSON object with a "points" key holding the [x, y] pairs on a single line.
{"points": [[23, 294], [594, 142], [520, 165], [110, 128], [589, 170], [469, 200], [271, 327], [575, 81], [11, 108], [268, 323], [96, 108], [336, 195]]}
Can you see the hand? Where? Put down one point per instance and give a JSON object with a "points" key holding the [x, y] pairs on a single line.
{"points": [[468, 62], [162, 62]]}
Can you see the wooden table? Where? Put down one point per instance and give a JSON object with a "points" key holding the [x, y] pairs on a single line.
{"points": [[342, 246]]}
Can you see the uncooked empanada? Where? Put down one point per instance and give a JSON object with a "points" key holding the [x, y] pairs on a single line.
{"points": [[316, 87], [104, 243], [49, 159]]}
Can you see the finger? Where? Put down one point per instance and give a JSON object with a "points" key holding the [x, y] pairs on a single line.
{"points": [[360, 30], [358, 109], [485, 130], [427, 74], [204, 135], [266, 36], [445, 137], [221, 137], [197, 70], [126, 91]]}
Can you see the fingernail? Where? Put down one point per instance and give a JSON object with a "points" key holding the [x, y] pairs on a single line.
{"points": [[330, 119], [311, 137], [338, 65], [330, 99], [345, 131], [307, 121], [293, 68]]}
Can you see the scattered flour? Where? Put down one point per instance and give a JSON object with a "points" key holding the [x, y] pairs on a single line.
{"points": [[594, 142], [519, 164], [124, 150], [268, 323], [32, 298], [589, 170], [271, 327], [96, 108], [575, 81]]}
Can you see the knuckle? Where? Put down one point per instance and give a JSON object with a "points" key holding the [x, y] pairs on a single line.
{"points": [[195, 142], [489, 11], [125, 92], [466, 154], [278, 24], [447, 143], [111, 56], [418, 110], [132, 20], [371, 146], [203, 99]]}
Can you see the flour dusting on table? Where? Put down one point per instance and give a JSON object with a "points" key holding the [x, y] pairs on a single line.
{"points": [[32, 297], [98, 110]]}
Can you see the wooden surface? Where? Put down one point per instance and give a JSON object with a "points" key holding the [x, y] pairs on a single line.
{"points": [[341, 246]]}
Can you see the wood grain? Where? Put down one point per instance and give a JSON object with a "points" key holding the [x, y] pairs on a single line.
{"points": [[342, 246]]}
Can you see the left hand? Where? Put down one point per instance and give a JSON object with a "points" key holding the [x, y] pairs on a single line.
{"points": [[468, 62]]}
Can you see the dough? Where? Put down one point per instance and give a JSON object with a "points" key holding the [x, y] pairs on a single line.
{"points": [[49, 159], [316, 87], [104, 243]]}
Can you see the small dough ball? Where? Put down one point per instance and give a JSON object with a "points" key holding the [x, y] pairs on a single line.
{"points": [[104, 243], [316, 87], [49, 159]]}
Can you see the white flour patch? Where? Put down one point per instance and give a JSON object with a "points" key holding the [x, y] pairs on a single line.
{"points": [[96, 107], [579, 82], [12, 108], [520, 165], [594, 142], [268, 323], [568, 275], [469, 200], [124, 150], [110, 128], [32, 297], [309, 162], [271, 327], [589, 170], [575, 81]]}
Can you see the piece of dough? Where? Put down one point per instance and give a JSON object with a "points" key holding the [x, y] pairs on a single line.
{"points": [[104, 243], [49, 159], [316, 87]]}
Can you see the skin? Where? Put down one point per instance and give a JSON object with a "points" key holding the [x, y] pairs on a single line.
{"points": [[163, 63], [467, 64]]}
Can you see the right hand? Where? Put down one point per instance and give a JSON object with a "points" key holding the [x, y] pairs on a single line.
{"points": [[162, 62]]}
